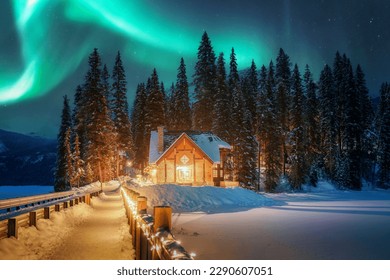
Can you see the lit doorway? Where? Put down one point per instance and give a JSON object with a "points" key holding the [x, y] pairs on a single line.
{"points": [[184, 175]]}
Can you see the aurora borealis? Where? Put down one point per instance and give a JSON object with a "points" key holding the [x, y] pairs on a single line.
{"points": [[44, 44]]}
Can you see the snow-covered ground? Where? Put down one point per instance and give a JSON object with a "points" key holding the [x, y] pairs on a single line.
{"points": [[19, 191], [80, 232], [322, 223]]}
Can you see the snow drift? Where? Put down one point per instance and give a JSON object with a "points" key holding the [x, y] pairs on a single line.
{"points": [[202, 199]]}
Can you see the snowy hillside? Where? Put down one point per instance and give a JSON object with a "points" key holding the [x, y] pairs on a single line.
{"points": [[203, 199], [26, 160]]}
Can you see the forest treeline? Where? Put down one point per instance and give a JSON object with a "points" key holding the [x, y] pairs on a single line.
{"points": [[286, 129]]}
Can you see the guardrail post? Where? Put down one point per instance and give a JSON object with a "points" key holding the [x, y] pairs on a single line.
{"points": [[57, 208], [76, 201], [141, 209], [65, 204], [33, 218], [46, 212], [13, 227], [162, 221], [71, 202]]}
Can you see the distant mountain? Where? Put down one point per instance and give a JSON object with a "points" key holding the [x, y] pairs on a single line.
{"points": [[26, 160]]}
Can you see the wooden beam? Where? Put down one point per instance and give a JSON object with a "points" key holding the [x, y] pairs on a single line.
{"points": [[46, 212], [33, 218], [13, 227]]}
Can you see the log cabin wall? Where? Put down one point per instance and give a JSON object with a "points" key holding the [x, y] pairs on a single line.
{"points": [[184, 163]]}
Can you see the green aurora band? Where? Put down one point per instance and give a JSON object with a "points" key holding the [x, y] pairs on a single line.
{"points": [[56, 36]]}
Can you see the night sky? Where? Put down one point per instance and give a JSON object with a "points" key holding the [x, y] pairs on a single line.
{"points": [[44, 44]]}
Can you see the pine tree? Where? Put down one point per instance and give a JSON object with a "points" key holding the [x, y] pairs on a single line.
{"points": [[78, 169], [261, 109], [297, 136], [245, 145], [271, 135], [205, 85], [63, 164], [79, 118], [312, 126], [349, 169], [181, 101], [98, 121], [327, 119], [366, 126], [170, 109], [222, 119], [120, 111], [383, 179], [283, 77], [252, 93], [138, 118], [155, 105]]}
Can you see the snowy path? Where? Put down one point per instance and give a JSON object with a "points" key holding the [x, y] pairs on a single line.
{"points": [[82, 232], [104, 235]]}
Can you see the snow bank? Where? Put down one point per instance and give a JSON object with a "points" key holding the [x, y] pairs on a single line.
{"points": [[202, 199], [38, 242]]}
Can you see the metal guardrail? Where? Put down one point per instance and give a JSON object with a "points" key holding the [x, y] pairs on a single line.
{"points": [[25, 211], [152, 237], [32, 200]]}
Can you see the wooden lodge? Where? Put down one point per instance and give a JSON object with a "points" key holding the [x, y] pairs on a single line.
{"points": [[188, 158]]}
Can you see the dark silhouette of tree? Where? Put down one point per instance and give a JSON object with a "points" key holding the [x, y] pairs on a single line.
{"points": [[63, 170]]}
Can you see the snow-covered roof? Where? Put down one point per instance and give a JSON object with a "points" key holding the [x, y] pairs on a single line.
{"points": [[208, 142]]}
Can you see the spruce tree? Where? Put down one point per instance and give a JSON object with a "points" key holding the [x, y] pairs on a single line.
{"points": [[252, 94], [297, 136], [120, 112], [271, 135], [327, 120], [349, 168], [383, 179], [181, 101], [283, 77], [80, 118], [139, 128], [155, 105], [368, 138], [312, 126], [205, 85], [63, 169], [98, 121], [170, 112], [78, 164], [222, 107]]}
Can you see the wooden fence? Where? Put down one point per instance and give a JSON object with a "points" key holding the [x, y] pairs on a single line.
{"points": [[26, 211], [151, 235]]}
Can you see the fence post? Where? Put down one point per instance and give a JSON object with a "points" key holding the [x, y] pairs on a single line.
{"points": [[88, 199], [33, 218], [162, 221], [162, 218], [141, 209], [46, 212], [13, 227]]}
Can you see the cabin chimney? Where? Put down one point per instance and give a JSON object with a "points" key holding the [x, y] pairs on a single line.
{"points": [[160, 145]]}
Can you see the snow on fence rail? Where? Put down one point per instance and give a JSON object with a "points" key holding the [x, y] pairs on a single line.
{"points": [[25, 211], [152, 237]]}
